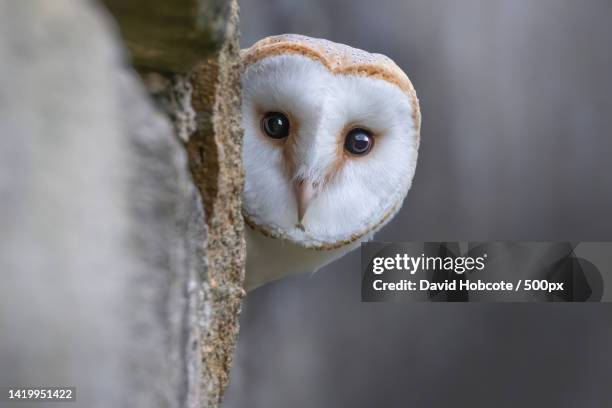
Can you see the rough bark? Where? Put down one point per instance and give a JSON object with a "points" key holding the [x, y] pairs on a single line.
{"points": [[109, 282]]}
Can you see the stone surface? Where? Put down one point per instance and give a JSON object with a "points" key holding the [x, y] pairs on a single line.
{"points": [[103, 248], [215, 158], [171, 35]]}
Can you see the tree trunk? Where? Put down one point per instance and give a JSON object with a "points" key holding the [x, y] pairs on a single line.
{"points": [[121, 236]]}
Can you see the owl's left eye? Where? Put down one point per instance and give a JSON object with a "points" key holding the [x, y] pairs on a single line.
{"points": [[359, 142], [275, 125]]}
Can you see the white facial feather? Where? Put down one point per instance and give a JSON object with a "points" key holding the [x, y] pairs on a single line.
{"points": [[355, 195], [364, 189]]}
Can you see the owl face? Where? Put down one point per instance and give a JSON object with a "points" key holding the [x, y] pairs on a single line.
{"points": [[330, 143]]}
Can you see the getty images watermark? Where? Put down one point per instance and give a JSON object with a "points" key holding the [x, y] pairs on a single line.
{"points": [[498, 271]]}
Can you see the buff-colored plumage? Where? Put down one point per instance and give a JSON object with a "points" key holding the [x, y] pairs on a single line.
{"points": [[325, 89], [338, 58]]}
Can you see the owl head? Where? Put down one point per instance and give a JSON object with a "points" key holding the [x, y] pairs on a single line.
{"points": [[331, 140]]}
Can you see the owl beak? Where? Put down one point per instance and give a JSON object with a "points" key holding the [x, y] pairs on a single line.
{"points": [[304, 193]]}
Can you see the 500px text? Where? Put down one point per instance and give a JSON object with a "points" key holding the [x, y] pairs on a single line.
{"points": [[479, 285]]}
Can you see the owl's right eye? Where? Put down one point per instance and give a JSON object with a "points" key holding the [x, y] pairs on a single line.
{"points": [[275, 125]]}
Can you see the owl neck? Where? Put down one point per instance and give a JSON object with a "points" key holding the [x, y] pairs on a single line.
{"points": [[269, 259]]}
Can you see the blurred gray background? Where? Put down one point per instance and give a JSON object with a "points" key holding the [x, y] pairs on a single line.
{"points": [[516, 145]]}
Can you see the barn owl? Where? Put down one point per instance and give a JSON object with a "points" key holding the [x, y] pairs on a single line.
{"points": [[331, 136]]}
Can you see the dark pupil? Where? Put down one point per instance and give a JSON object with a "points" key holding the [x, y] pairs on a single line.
{"points": [[276, 125], [358, 141]]}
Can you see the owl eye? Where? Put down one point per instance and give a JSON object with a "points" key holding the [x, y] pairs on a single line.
{"points": [[275, 125], [359, 142]]}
